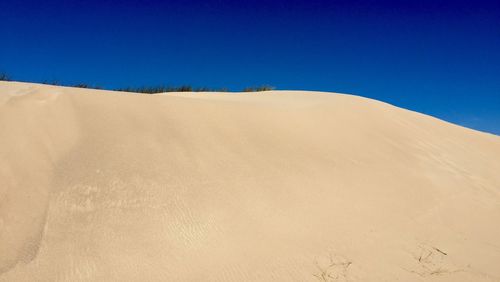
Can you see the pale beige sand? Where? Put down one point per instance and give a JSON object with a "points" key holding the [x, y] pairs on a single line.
{"points": [[273, 186]]}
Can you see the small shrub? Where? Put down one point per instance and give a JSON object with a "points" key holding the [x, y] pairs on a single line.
{"points": [[51, 82], [4, 77], [82, 85], [85, 85], [265, 88], [185, 88]]}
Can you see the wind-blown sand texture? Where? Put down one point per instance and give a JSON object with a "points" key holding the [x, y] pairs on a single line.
{"points": [[272, 186]]}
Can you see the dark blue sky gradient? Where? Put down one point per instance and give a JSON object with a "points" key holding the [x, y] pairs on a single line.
{"points": [[437, 57]]}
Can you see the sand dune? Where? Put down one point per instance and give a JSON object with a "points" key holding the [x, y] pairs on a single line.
{"points": [[273, 186]]}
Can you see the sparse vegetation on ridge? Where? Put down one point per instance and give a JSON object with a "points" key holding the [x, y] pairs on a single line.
{"points": [[163, 89], [84, 85], [259, 88], [149, 89], [77, 85]]}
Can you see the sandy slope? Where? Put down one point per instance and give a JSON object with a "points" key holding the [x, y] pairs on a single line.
{"points": [[274, 186]]}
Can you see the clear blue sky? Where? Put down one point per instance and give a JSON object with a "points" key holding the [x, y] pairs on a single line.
{"points": [[437, 57]]}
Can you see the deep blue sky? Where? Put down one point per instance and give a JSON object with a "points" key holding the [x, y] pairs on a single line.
{"points": [[437, 57]]}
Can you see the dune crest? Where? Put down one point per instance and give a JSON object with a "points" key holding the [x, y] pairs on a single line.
{"points": [[273, 186]]}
